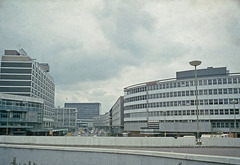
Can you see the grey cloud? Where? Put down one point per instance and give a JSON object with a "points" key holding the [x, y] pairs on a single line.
{"points": [[121, 21]]}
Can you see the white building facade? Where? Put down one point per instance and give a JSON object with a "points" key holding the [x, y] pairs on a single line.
{"points": [[65, 118], [172, 103], [118, 116], [20, 115], [102, 121], [21, 75]]}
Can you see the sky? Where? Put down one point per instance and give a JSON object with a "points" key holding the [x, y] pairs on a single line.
{"points": [[97, 48]]}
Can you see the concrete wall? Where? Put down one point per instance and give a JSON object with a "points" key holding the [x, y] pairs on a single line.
{"points": [[221, 142], [101, 141], [120, 141]]}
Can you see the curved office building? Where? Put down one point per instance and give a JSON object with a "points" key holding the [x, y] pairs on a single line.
{"points": [[169, 105]]}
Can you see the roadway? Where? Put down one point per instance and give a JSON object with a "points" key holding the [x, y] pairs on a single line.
{"points": [[218, 151]]}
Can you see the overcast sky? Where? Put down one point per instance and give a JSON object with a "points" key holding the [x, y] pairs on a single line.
{"points": [[97, 48]]}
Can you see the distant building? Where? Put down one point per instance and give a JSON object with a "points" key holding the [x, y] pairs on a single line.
{"points": [[118, 116], [171, 103], [20, 115], [86, 112], [65, 118], [21, 75], [102, 121]]}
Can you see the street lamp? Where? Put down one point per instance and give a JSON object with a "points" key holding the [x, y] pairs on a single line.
{"points": [[165, 133], [7, 120], [235, 122], [195, 64]]}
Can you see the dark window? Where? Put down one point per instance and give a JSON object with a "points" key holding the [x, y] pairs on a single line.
{"points": [[229, 81], [210, 82], [219, 81]]}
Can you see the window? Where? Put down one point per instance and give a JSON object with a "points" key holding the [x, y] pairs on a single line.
{"points": [[205, 92], [193, 112], [225, 101], [183, 103], [210, 82], [210, 92], [226, 112], [179, 94], [215, 92], [183, 93], [191, 83], [206, 112], [229, 81], [184, 112], [230, 91], [219, 91], [214, 81], [234, 80], [163, 86], [237, 111], [235, 91], [220, 101], [205, 102], [224, 81], [210, 101], [192, 102], [211, 111], [205, 82], [219, 81], [175, 94], [227, 125], [191, 93], [214, 125], [225, 91], [221, 112]]}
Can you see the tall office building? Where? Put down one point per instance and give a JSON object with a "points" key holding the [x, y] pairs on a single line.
{"points": [[21, 75], [86, 112], [169, 105]]}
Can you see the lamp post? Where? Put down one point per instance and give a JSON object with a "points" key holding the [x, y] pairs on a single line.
{"points": [[235, 122], [7, 120], [195, 64]]}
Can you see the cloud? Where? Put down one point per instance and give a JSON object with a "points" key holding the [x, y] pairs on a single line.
{"points": [[96, 48]]}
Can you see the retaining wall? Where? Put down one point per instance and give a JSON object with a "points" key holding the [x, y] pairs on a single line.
{"points": [[120, 141], [100, 141]]}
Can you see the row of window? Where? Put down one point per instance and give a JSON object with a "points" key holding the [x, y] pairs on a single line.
{"points": [[184, 113], [156, 86], [181, 103], [185, 93], [19, 103], [225, 125]]}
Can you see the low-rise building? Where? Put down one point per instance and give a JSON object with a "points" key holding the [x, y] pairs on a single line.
{"points": [[65, 118], [102, 121], [117, 116], [20, 115]]}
